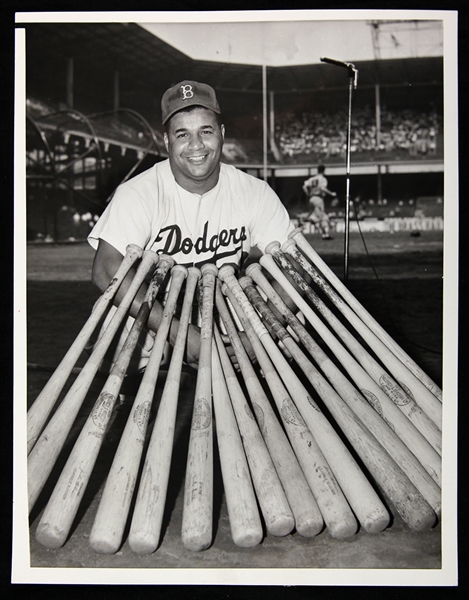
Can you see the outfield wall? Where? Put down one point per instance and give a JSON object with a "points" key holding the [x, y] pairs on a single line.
{"points": [[390, 225]]}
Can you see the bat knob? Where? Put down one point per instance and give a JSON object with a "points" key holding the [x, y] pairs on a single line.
{"points": [[253, 267], [209, 268], [134, 248], [179, 269], [226, 271], [272, 247], [167, 259], [194, 270], [295, 232], [150, 256], [286, 246], [245, 281], [266, 259]]}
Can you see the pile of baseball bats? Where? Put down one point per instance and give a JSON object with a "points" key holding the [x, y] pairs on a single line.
{"points": [[330, 427]]}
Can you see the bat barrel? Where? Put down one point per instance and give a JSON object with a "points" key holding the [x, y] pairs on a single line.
{"points": [[197, 518], [44, 403], [360, 365], [424, 399], [316, 260], [111, 517], [47, 448], [358, 490], [308, 519], [145, 529]]}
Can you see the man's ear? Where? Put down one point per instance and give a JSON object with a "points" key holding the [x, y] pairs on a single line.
{"points": [[166, 141], [222, 129]]}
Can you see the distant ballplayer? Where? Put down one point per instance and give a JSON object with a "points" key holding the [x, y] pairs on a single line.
{"points": [[316, 189], [190, 206]]}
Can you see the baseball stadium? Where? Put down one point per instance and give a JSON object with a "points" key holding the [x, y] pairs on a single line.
{"points": [[93, 122]]}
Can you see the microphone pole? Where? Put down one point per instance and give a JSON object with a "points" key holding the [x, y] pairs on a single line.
{"points": [[353, 82]]}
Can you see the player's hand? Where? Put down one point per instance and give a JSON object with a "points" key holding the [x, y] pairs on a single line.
{"points": [[193, 346]]}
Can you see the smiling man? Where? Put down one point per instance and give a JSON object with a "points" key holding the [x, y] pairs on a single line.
{"points": [[192, 206], [194, 140]]}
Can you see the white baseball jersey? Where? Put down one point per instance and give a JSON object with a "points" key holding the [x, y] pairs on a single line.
{"points": [[220, 226], [316, 185]]}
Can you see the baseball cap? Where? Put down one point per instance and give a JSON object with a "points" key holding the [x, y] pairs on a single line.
{"points": [[188, 93]]}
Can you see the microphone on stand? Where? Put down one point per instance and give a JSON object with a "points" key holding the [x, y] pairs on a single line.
{"points": [[353, 82], [353, 71]]}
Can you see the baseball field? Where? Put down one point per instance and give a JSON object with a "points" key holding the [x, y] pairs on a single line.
{"points": [[397, 277]]}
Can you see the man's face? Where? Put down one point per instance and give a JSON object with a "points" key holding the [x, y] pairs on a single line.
{"points": [[194, 143]]}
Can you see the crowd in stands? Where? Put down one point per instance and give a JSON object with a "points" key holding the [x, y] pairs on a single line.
{"points": [[315, 133]]}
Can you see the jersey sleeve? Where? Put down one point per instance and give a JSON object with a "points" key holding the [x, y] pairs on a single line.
{"points": [[271, 221], [125, 221]]}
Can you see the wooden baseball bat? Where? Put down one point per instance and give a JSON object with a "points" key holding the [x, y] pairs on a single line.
{"points": [[315, 259], [332, 503], [418, 444], [278, 516], [391, 479], [392, 388], [359, 492], [243, 512], [197, 513], [308, 519], [44, 403], [58, 516], [330, 500], [382, 430], [415, 410], [51, 441], [113, 509], [147, 518]]}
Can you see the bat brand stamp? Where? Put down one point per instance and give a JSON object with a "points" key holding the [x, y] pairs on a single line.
{"points": [[201, 417], [291, 414], [399, 397], [313, 404], [140, 416], [102, 410]]}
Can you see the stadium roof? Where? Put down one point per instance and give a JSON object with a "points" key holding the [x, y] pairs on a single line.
{"points": [[146, 61]]}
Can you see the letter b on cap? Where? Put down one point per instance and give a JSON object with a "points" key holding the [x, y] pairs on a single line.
{"points": [[186, 92]]}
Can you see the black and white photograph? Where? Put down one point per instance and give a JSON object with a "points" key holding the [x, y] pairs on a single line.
{"points": [[236, 269]]}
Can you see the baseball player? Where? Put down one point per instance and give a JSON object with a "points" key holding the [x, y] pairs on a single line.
{"points": [[316, 189], [191, 206]]}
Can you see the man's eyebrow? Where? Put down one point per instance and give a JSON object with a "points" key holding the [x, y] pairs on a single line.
{"points": [[183, 129]]}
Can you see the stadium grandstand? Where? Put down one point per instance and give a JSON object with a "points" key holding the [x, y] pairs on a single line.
{"points": [[94, 120]]}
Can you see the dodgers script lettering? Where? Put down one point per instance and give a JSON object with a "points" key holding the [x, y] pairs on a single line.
{"points": [[173, 241]]}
